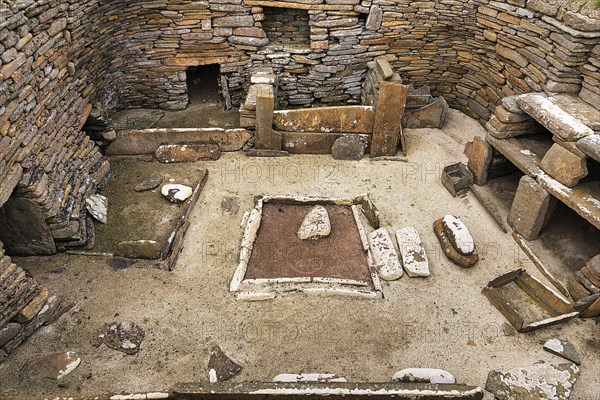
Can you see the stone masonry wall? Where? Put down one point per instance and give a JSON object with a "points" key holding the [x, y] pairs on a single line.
{"points": [[521, 46], [53, 74], [473, 52]]}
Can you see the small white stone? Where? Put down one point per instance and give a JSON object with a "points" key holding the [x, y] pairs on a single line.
{"points": [[460, 235], [554, 344], [97, 205], [316, 224], [414, 258], [316, 377], [212, 375], [70, 367], [176, 193], [424, 375], [384, 254]]}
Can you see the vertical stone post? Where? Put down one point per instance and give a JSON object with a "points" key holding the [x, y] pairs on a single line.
{"points": [[266, 138], [531, 208], [388, 118]]}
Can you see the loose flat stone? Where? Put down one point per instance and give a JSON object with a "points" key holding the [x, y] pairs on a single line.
{"points": [[348, 147], [150, 183], [479, 153], [430, 116], [553, 117], [423, 375], [97, 205], [564, 349], [414, 258], [538, 382], [465, 261], [176, 193], [221, 367], [384, 254], [8, 332], [144, 249], [459, 235], [191, 152], [529, 208], [316, 224], [564, 166], [122, 336], [53, 366], [590, 145], [314, 377], [23, 228]]}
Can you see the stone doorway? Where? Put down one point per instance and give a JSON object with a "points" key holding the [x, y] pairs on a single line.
{"points": [[204, 84]]}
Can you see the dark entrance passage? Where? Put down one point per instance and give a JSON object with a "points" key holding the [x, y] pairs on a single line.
{"points": [[203, 84]]}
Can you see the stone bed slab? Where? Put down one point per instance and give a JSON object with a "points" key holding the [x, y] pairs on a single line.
{"points": [[147, 141], [553, 117]]}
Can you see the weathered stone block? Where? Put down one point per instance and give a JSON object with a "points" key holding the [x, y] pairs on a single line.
{"points": [[348, 119], [388, 118], [529, 208], [564, 166], [348, 147], [23, 229], [479, 153], [553, 117]]}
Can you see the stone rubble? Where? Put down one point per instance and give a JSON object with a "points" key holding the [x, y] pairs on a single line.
{"points": [[538, 382], [125, 337]]}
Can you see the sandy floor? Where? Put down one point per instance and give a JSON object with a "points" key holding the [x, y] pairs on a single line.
{"points": [[441, 322]]}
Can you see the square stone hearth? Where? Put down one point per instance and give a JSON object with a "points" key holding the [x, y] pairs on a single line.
{"points": [[275, 261]]}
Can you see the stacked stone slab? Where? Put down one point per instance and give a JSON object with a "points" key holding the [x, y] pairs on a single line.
{"points": [[528, 46], [379, 70], [49, 72], [24, 305], [259, 81], [584, 288]]}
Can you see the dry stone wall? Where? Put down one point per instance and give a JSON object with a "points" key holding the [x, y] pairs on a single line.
{"points": [[54, 72], [473, 52]]}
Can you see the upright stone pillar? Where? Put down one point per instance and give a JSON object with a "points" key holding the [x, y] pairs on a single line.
{"points": [[388, 118], [530, 208], [266, 138]]}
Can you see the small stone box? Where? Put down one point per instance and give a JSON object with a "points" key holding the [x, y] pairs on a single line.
{"points": [[457, 179]]}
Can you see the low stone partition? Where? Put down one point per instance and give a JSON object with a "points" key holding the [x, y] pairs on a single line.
{"points": [[332, 390], [147, 141]]}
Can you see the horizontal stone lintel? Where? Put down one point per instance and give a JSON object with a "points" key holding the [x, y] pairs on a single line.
{"points": [[287, 4]]}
